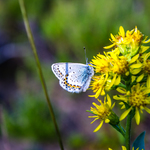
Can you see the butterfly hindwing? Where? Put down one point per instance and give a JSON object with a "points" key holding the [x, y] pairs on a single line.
{"points": [[73, 77]]}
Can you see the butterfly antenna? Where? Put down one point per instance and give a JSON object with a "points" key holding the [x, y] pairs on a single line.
{"points": [[86, 59]]}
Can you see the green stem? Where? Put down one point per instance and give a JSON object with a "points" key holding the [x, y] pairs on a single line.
{"points": [[31, 40], [129, 118], [122, 130], [128, 131]]}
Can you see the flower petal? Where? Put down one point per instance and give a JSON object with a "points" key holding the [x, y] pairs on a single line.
{"points": [[112, 82], [107, 120], [146, 56], [133, 78], [146, 41], [135, 71], [148, 81], [134, 59], [125, 113], [137, 116], [121, 90], [140, 77], [97, 106], [146, 91], [147, 109], [124, 148], [118, 79], [123, 107], [120, 97], [110, 46], [127, 73], [109, 100], [94, 119], [99, 126], [139, 65], [121, 31], [102, 92], [144, 48], [112, 37], [113, 106], [91, 95]]}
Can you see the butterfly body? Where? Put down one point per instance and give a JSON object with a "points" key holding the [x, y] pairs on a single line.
{"points": [[73, 77]]}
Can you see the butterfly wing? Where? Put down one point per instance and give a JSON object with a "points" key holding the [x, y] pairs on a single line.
{"points": [[73, 77]]}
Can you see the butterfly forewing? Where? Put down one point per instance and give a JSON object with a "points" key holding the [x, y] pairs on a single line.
{"points": [[73, 77]]}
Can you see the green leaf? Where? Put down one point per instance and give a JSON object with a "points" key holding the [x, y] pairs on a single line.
{"points": [[119, 128], [90, 112], [139, 142]]}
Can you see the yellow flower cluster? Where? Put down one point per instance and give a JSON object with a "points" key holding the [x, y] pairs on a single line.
{"points": [[126, 68], [128, 43], [129, 59], [108, 69]]}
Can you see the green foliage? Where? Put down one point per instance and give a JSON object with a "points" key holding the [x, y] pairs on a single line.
{"points": [[30, 118], [71, 25], [74, 24], [34, 8], [76, 141]]}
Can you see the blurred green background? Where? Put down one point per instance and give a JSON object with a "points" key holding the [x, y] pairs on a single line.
{"points": [[61, 29]]}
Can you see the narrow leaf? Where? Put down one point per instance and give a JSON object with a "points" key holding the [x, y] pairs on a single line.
{"points": [[117, 127]]}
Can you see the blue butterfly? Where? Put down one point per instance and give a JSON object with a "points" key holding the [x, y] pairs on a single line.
{"points": [[73, 77]]}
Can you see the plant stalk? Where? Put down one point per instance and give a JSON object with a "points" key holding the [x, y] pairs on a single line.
{"points": [[31, 40], [128, 131]]}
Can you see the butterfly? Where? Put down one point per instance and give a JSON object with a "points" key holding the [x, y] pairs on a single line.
{"points": [[73, 77]]}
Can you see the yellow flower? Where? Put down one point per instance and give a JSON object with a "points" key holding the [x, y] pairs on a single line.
{"points": [[137, 99], [101, 64], [129, 43], [102, 67], [124, 148], [104, 113], [97, 85], [118, 39], [120, 66], [142, 65], [109, 68]]}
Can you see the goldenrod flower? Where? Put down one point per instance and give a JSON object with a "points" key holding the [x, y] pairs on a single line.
{"points": [[97, 85], [118, 39], [101, 64], [120, 65], [104, 113], [129, 43], [137, 99], [102, 67], [142, 66], [124, 148], [109, 69]]}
